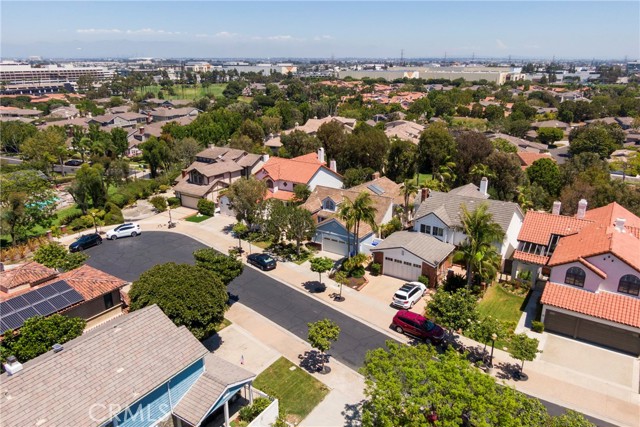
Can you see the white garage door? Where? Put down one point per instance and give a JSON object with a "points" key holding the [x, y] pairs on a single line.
{"points": [[334, 245], [189, 202], [401, 269]]}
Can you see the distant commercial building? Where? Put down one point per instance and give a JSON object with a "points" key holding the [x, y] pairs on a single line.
{"points": [[633, 67], [498, 75], [51, 73]]}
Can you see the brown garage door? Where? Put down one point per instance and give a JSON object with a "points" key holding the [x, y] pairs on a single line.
{"points": [[560, 323], [609, 336]]}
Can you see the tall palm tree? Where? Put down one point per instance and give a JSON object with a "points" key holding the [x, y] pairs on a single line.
{"points": [[477, 250], [345, 213], [363, 211], [445, 173], [409, 189]]}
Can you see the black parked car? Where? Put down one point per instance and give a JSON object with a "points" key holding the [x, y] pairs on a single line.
{"points": [[73, 162], [85, 242], [262, 261]]}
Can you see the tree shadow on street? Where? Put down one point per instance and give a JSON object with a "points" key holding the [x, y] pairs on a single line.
{"points": [[213, 342], [314, 287]]}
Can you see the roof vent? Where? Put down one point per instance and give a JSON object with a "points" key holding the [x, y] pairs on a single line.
{"points": [[620, 224], [12, 365], [57, 348]]}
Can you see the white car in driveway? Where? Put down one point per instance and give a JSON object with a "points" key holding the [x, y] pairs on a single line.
{"points": [[124, 230], [408, 294]]}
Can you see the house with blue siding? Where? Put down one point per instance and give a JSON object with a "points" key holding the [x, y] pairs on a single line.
{"points": [[138, 370]]}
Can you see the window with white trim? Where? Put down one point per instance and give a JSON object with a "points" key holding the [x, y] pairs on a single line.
{"points": [[424, 228], [438, 232]]}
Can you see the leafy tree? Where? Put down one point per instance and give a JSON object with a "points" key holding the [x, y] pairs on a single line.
{"points": [[321, 265], [445, 174], [119, 142], [275, 224], [363, 210], [597, 138], [89, 189], [508, 175], [246, 198], [486, 328], [409, 188], [356, 176], [156, 153], [503, 145], [455, 310], [184, 151], [159, 203], [477, 251], [366, 147], [570, 419], [545, 172], [401, 163], [45, 148], [436, 144], [523, 348], [189, 295], [332, 137], [253, 130], [225, 267], [13, 133], [301, 193], [54, 255], [298, 143], [472, 148], [38, 334], [300, 225], [322, 335], [550, 135], [404, 385]]}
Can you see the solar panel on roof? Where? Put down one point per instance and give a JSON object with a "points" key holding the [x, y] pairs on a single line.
{"points": [[72, 296], [15, 303], [44, 308], [12, 321], [59, 286], [32, 297], [379, 191], [58, 301], [27, 313], [47, 291]]}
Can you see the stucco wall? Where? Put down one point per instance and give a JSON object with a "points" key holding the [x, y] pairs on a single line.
{"points": [[609, 263], [591, 281], [326, 179]]}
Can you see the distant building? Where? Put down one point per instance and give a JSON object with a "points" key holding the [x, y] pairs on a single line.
{"points": [[53, 73]]}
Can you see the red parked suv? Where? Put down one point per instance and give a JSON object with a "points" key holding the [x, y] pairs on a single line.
{"points": [[410, 323]]}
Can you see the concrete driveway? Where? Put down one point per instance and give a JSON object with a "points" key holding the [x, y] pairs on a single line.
{"points": [[382, 289]]}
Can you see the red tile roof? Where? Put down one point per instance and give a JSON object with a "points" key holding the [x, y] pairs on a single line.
{"points": [[527, 158], [30, 273], [90, 282], [298, 170], [530, 258], [539, 226], [280, 195], [603, 305], [600, 237]]}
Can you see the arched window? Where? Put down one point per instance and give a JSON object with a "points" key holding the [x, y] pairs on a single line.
{"points": [[575, 277], [629, 284], [270, 184], [329, 205]]}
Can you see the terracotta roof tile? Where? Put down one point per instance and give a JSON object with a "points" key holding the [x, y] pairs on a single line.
{"points": [[603, 305], [90, 282], [527, 158], [530, 258], [299, 170], [539, 226], [30, 273]]}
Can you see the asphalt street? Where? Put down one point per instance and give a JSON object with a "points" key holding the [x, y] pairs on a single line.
{"points": [[129, 257]]}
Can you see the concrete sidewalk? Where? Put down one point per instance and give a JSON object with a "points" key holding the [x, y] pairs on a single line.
{"points": [[596, 396]]}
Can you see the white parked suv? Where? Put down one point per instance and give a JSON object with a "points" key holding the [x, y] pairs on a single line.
{"points": [[124, 230], [409, 294]]}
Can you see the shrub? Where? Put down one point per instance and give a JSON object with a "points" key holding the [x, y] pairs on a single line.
{"points": [[81, 223], [159, 203], [537, 326], [163, 188], [70, 217], [119, 200], [225, 267], [250, 412], [206, 207], [357, 272], [375, 269], [174, 202], [424, 280], [454, 282], [54, 255]]}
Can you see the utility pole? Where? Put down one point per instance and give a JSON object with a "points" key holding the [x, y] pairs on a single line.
{"points": [[401, 56]]}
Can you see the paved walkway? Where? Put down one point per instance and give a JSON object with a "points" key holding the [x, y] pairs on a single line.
{"points": [[609, 399]]}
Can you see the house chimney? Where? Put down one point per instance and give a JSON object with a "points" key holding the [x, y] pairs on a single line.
{"points": [[424, 194], [484, 185], [12, 365], [265, 158], [333, 166], [321, 155], [556, 207], [376, 175], [141, 130], [1, 266], [582, 209], [184, 173], [620, 224]]}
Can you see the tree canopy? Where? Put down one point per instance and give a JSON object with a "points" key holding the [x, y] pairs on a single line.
{"points": [[189, 295], [225, 267]]}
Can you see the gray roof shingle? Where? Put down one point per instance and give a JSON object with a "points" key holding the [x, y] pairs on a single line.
{"points": [[116, 363], [424, 246], [447, 207]]}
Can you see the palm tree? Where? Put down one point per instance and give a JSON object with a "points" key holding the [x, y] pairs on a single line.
{"points": [[363, 211], [409, 189], [477, 251], [445, 173], [346, 214], [479, 170]]}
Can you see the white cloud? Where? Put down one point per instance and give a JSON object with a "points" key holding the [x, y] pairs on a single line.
{"points": [[225, 34], [324, 37], [501, 44], [281, 38], [141, 31], [98, 31]]}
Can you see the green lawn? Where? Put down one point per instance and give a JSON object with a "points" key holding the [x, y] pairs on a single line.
{"points": [[296, 390], [500, 304], [422, 178], [196, 218], [187, 92], [470, 123], [223, 324]]}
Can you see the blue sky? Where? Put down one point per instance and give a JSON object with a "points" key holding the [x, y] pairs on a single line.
{"points": [[543, 29]]}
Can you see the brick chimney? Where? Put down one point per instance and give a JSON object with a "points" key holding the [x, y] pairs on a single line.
{"points": [[582, 209], [556, 208], [141, 130], [184, 173], [424, 194], [376, 175]]}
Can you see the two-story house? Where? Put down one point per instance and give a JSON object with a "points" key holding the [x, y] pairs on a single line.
{"points": [[439, 216], [136, 370], [167, 114], [331, 233], [121, 120], [593, 292], [214, 169], [282, 175]]}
